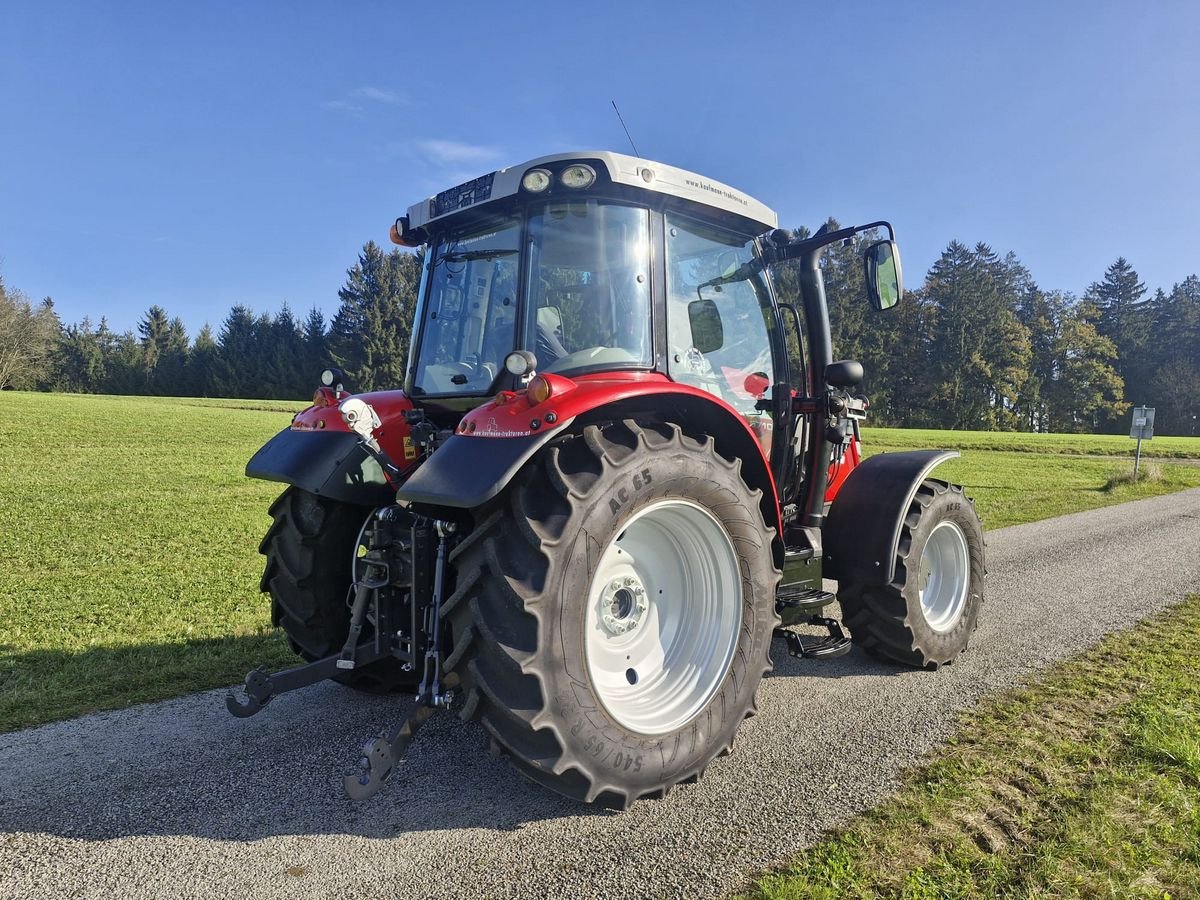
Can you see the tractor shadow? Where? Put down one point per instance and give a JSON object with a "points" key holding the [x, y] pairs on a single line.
{"points": [[186, 767]]}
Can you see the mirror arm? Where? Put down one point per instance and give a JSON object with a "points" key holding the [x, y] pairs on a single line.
{"points": [[795, 249]]}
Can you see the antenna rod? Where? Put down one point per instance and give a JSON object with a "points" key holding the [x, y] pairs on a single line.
{"points": [[621, 119]]}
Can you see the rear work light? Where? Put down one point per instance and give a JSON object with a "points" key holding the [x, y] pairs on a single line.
{"points": [[578, 176], [536, 181]]}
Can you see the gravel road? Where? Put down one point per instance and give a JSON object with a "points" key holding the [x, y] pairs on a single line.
{"points": [[179, 799]]}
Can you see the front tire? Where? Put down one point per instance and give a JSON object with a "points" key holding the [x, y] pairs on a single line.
{"points": [[927, 614], [613, 614]]}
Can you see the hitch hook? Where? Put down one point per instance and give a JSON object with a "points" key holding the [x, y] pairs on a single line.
{"points": [[259, 690], [382, 754]]}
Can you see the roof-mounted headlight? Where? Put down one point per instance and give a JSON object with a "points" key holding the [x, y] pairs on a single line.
{"points": [[578, 176], [536, 180]]}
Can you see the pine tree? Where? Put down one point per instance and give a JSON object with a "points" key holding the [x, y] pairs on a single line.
{"points": [[284, 357], [1174, 358], [235, 371], [316, 351], [153, 330], [124, 371], [202, 360], [979, 350], [369, 337], [170, 376], [80, 359], [1124, 319]]}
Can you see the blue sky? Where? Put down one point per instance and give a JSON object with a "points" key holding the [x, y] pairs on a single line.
{"points": [[198, 155]]}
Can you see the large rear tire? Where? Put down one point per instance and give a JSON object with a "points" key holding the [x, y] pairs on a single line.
{"points": [[310, 550], [927, 614], [613, 614]]}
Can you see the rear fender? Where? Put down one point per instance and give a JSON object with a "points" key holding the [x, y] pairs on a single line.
{"points": [[862, 530], [320, 454], [328, 463], [493, 442]]}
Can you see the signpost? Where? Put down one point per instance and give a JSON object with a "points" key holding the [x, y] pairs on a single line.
{"points": [[1142, 429]]}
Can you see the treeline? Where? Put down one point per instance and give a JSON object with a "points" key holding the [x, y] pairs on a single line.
{"points": [[252, 356], [978, 345]]}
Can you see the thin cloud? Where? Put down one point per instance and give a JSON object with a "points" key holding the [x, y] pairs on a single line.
{"points": [[342, 106], [454, 153], [378, 95], [356, 101]]}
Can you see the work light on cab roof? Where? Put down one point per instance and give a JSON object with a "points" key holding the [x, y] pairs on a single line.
{"points": [[605, 485]]}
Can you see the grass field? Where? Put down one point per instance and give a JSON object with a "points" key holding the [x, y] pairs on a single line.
{"points": [[1072, 444], [1085, 783], [128, 540]]}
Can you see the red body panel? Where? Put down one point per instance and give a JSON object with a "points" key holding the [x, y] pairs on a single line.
{"points": [[840, 471], [394, 435], [513, 415]]}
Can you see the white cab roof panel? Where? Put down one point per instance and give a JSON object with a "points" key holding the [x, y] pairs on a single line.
{"points": [[645, 174]]}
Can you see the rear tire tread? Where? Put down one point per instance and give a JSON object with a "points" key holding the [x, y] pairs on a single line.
{"points": [[494, 612]]}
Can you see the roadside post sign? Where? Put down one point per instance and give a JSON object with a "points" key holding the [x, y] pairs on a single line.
{"points": [[1142, 429]]}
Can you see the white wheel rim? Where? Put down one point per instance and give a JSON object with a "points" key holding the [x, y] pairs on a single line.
{"points": [[663, 614], [945, 576]]}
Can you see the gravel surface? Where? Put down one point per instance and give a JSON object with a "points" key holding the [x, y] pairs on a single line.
{"points": [[180, 799]]}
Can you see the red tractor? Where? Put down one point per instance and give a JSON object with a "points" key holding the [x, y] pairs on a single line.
{"points": [[604, 488]]}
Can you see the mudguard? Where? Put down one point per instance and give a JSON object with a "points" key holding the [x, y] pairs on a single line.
{"points": [[466, 472], [862, 530], [328, 463]]}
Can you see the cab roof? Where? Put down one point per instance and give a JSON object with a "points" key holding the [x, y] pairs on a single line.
{"points": [[630, 171]]}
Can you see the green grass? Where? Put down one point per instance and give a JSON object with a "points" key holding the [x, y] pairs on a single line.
{"points": [[1072, 444], [1085, 783], [129, 535], [1011, 488], [128, 551]]}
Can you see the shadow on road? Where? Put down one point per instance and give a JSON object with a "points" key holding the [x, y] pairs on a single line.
{"points": [[186, 767]]}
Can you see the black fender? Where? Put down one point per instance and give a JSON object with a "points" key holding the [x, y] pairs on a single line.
{"points": [[329, 463], [465, 472], [862, 530]]}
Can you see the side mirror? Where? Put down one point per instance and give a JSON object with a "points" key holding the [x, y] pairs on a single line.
{"points": [[885, 284], [708, 332]]}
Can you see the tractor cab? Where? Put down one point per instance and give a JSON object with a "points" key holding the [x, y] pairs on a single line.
{"points": [[596, 263]]}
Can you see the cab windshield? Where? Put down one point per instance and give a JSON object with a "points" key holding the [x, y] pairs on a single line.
{"points": [[586, 304]]}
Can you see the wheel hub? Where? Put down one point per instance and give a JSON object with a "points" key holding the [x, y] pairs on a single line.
{"points": [[622, 605]]}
